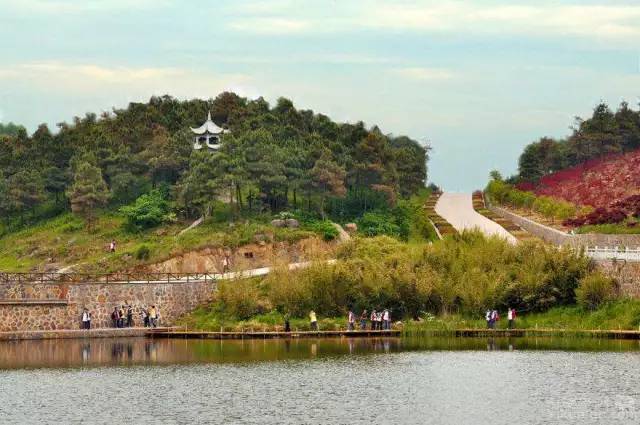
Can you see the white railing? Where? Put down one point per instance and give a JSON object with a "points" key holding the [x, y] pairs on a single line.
{"points": [[613, 253]]}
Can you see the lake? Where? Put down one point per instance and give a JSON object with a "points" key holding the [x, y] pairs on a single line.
{"points": [[422, 380]]}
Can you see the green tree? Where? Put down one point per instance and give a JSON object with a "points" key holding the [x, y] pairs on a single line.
{"points": [[327, 178], [200, 186], [88, 191], [24, 190]]}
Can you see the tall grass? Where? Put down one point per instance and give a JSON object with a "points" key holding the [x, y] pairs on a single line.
{"points": [[464, 274]]}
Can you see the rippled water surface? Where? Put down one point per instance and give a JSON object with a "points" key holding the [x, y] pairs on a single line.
{"points": [[350, 381]]}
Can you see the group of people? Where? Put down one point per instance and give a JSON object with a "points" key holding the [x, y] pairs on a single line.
{"points": [[122, 317], [378, 320], [492, 317]]}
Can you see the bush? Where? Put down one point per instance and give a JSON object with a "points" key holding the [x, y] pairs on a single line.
{"points": [[143, 252], [377, 224], [325, 228], [596, 289], [239, 298], [149, 210], [464, 274]]}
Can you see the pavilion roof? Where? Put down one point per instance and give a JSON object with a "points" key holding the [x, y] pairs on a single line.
{"points": [[208, 127]]}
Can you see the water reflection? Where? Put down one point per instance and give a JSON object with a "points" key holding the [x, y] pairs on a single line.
{"points": [[133, 351]]}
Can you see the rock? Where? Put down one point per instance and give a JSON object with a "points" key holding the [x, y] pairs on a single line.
{"points": [[161, 232], [292, 223], [351, 227], [278, 223], [51, 267], [259, 237]]}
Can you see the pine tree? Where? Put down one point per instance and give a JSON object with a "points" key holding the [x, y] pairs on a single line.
{"points": [[88, 191], [327, 178]]}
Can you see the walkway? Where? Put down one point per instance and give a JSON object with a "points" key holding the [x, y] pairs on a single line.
{"points": [[133, 277], [457, 209]]}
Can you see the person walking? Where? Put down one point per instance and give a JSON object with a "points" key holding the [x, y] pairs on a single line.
{"points": [[386, 319], [112, 246], [115, 317], [129, 316], [494, 318], [287, 322], [379, 320], [313, 320], [511, 317], [351, 321], [153, 316], [121, 316], [373, 317], [225, 264], [363, 320], [487, 317], [145, 317], [86, 319]]}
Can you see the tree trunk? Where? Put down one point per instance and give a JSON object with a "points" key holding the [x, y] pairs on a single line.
{"points": [[239, 196]]}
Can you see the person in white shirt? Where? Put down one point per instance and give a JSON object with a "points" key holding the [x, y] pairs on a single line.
{"points": [[86, 319], [511, 317], [386, 318]]}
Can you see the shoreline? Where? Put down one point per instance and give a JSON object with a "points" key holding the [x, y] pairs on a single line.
{"points": [[181, 333]]}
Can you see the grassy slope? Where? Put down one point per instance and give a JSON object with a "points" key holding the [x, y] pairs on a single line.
{"points": [[65, 240]]}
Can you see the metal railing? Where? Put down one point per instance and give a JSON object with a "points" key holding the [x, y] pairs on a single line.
{"points": [[613, 253], [116, 277]]}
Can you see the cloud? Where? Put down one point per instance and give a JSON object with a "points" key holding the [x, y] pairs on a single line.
{"points": [[271, 25], [424, 74], [76, 6], [534, 18], [90, 79]]}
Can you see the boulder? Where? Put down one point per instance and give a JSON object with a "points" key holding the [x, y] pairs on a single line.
{"points": [[292, 223], [351, 227], [278, 223]]}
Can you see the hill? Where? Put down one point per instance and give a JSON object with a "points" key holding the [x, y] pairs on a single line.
{"points": [[133, 174], [591, 178], [598, 182]]}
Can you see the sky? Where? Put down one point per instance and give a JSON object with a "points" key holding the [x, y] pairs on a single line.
{"points": [[477, 80]]}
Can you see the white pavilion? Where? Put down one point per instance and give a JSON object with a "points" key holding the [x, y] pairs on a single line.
{"points": [[208, 134]]}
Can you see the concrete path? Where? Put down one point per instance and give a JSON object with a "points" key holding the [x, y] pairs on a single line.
{"points": [[457, 209]]}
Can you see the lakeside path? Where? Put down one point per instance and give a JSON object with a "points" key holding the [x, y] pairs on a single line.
{"points": [[457, 209]]}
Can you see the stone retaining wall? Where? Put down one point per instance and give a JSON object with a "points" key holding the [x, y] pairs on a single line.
{"points": [[62, 304], [557, 237], [626, 273]]}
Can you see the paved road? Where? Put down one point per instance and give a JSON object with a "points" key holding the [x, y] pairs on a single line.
{"points": [[457, 209]]}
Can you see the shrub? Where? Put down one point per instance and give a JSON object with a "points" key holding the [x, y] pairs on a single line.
{"points": [[466, 273], [325, 228], [596, 289], [143, 252], [149, 210], [378, 223], [239, 298]]}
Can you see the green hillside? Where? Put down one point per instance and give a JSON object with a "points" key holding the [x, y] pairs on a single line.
{"points": [[133, 175]]}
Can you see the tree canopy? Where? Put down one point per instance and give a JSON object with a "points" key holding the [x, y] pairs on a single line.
{"points": [[604, 133], [273, 158]]}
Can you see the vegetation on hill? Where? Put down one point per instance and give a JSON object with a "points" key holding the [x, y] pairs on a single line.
{"points": [[590, 181], [274, 159], [64, 241], [604, 133], [463, 274], [133, 175]]}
